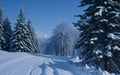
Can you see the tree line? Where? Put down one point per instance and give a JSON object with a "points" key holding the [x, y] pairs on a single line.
{"points": [[21, 39]]}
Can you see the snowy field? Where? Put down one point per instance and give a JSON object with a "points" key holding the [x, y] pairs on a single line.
{"points": [[30, 64]]}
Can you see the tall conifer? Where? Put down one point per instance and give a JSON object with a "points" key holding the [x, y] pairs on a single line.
{"points": [[7, 33], [2, 40], [100, 34]]}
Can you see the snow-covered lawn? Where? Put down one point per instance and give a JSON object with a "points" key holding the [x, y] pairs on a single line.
{"points": [[31, 64]]}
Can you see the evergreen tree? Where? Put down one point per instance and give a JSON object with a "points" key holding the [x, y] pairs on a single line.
{"points": [[7, 33], [2, 40], [99, 40], [19, 40], [34, 42]]}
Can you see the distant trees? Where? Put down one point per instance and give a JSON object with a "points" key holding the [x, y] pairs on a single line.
{"points": [[62, 41], [99, 40], [22, 38]]}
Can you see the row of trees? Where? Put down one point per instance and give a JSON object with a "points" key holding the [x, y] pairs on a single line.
{"points": [[62, 42], [99, 41], [21, 39]]}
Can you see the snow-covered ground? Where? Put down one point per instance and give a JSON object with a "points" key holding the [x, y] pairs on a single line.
{"points": [[37, 64]]}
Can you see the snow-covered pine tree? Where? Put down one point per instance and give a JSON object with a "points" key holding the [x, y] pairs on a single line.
{"points": [[2, 40], [19, 40], [99, 40], [33, 39], [7, 33]]}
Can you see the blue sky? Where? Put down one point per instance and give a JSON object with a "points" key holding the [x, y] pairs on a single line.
{"points": [[44, 14]]}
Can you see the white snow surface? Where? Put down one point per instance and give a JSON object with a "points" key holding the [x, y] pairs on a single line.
{"points": [[75, 60], [95, 38], [38, 64], [97, 52], [113, 36], [109, 54], [116, 48], [101, 10]]}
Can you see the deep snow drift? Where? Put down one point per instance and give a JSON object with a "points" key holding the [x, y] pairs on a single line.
{"points": [[37, 64]]}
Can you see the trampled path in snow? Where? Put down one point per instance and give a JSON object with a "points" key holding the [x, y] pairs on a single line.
{"points": [[30, 64]]}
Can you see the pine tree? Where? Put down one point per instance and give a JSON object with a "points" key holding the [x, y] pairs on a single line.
{"points": [[20, 35], [33, 39], [99, 40], [2, 40], [7, 33]]}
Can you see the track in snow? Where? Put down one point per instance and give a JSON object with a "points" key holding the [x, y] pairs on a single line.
{"points": [[35, 65]]}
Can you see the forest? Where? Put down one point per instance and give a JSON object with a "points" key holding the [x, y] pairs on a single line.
{"points": [[95, 38]]}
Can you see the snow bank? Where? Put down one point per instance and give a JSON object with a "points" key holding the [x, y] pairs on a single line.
{"points": [[75, 60]]}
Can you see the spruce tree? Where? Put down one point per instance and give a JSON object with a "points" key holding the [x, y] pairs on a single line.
{"points": [[99, 41], [2, 40], [7, 33], [33, 40], [20, 35]]}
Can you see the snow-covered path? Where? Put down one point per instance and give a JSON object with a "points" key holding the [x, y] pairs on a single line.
{"points": [[28, 64], [38, 64]]}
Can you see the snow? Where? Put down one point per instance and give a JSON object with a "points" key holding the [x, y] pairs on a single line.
{"points": [[34, 64], [97, 52], [75, 60], [101, 9], [103, 20], [113, 25], [105, 2], [94, 38], [116, 14], [116, 48], [91, 42], [18, 63], [98, 31], [113, 36], [109, 47], [101, 30], [109, 54], [100, 57], [106, 73], [87, 67]]}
